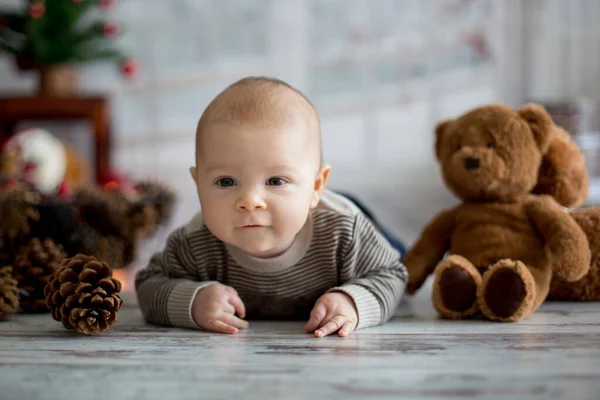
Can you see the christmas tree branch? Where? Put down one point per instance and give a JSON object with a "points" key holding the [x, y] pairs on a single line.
{"points": [[8, 48]]}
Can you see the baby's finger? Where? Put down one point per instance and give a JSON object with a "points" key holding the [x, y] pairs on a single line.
{"points": [[221, 327], [316, 316], [332, 326], [232, 320], [238, 304], [228, 308], [347, 328]]}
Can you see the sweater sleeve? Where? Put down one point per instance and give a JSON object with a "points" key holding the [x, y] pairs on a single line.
{"points": [[166, 287], [372, 273]]}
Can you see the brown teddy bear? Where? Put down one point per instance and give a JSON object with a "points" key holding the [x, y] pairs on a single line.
{"points": [[564, 176], [515, 171]]}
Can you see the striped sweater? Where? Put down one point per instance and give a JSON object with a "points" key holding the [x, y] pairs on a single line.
{"points": [[338, 249]]}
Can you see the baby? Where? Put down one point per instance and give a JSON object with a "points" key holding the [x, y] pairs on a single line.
{"points": [[270, 242]]}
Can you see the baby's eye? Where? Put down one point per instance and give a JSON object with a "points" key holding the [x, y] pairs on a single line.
{"points": [[226, 182], [276, 182]]}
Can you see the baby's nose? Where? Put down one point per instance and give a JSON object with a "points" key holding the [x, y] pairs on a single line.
{"points": [[250, 202]]}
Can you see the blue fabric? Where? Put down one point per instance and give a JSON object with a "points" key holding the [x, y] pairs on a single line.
{"points": [[394, 241]]}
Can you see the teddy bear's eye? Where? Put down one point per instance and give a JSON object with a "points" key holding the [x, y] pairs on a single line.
{"points": [[491, 144]]}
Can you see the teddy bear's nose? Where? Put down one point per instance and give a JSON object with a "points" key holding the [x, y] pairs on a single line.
{"points": [[471, 163]]}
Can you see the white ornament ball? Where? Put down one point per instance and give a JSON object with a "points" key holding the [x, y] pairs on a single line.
{"points": [[42, 158]]}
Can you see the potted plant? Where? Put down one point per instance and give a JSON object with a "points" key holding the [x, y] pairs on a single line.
{"points": [[52, 37]]}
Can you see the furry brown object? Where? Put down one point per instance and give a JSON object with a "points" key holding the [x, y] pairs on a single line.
{"points": [[83, 295], [34, 265], [9, 300], [160, 195], [17, 209], [504, 243], [587, 288]]}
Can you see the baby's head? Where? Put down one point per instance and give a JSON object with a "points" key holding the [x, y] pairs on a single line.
{"points": [[259, 167]]}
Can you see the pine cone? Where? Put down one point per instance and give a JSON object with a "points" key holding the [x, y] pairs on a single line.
{"points": [[33, 267], [9, 300], [141, 221], [17, 209], [57, 220], [160, 195], [83, 240], [83, 296], [104, 211], [115, 250]]}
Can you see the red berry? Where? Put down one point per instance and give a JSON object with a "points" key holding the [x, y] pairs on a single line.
{"points": [[11, 183], [64, 190], [30, 166], [107, 4], [130, 68], [110, 29], [37, 10]]}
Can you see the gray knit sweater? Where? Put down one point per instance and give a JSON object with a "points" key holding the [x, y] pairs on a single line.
{"points": [[337, 249]]}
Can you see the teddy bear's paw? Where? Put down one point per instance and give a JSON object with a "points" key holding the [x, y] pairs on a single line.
{"points": [[455, 288], [507, 292]]}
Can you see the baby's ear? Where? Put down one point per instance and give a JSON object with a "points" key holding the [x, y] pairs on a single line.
{"points": [[193, 173], [440, 130], [540, 123], [320, 183]]}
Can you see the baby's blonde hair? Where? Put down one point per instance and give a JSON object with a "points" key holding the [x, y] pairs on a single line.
{"points": [[258, 101]]}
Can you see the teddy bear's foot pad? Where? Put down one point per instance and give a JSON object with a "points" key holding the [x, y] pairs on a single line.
{"points": [[455, 288], [507, 291]]}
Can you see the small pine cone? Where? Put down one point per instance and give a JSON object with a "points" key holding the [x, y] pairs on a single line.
{"points": [[17, 210], [57, 219], [115, 250], [33, 267], [141, 221], [83, 295], [161, 196], [83, 240], [9, 299], [104, 211]]}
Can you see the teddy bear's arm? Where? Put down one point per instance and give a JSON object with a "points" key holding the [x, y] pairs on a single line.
{"points": [[571, 256], [429, 249]]}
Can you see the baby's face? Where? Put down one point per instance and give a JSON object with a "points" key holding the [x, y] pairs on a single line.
{"points": [[257, 184]]}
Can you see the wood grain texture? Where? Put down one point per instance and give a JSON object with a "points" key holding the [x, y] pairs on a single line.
{"points": [[554, 354]]}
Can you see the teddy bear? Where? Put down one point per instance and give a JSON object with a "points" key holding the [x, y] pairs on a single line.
{"points": [[564, 176], [497, 252]]}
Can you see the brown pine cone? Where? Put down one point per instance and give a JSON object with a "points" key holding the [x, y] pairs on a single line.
{"points": [[116, 251], [162, 196], [9, 300], [103, 211], [33, 267], [17, 209], [141, 221], [83, 295]]}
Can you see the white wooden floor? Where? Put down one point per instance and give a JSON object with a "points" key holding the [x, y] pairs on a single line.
{"points": [[555, 354]]}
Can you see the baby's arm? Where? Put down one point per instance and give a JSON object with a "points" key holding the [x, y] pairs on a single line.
{"points": [[168, 288], [373, 276]]}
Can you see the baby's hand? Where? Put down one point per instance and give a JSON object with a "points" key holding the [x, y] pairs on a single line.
{"points": [[215, 306], [332, 312]]}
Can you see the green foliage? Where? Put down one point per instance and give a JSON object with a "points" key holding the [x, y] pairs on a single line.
{"points": [[67, 32]]}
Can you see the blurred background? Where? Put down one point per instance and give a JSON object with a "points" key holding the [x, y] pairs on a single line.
{"points": [[381, 73]]}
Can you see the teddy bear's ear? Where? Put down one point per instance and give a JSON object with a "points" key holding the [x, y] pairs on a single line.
{"points": [[540, 122], [563, 173], [440, 130]]}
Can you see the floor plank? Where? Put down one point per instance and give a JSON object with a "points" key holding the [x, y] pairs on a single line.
{"points": [[554, 354]]}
